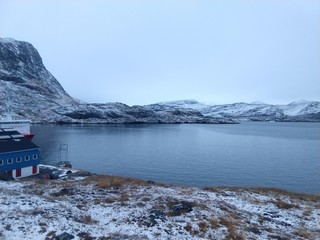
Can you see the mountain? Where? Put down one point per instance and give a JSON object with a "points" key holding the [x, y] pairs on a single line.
{"points": [[26, 87], [256, 111], [29, 90]]}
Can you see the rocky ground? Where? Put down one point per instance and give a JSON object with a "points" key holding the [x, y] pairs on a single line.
{"points": [[79, 205]]}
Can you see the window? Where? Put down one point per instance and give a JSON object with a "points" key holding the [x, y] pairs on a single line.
{"points": [[27, 158], [10, 161], [1, 162], [34, 156], [19, 159]]}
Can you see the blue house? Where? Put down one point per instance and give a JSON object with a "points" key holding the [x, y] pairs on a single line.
{"points": [[19, 157]]}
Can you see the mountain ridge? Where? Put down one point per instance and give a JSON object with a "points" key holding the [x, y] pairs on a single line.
{"points": [[28, 89]]}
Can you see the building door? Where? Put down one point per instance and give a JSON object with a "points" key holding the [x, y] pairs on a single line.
{"points": [[18, 172], [34, 169]]}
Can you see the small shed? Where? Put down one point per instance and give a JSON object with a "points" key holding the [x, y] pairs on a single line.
{"points": [[19, 157]]}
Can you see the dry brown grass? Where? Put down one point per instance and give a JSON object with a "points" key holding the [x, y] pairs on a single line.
{"points": [[86, 219], [303, 233], [233, 235], [231, 225], [124, 198], [284, 205], [214, 223], [227, 221], [108, 182], [104, 181], [307, 212], [203, 226]]}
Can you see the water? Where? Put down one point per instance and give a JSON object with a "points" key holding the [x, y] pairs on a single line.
{"points": [[281, 155]]}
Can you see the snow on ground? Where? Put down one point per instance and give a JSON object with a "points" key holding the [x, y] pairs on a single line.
{"points": [[105, 207]]}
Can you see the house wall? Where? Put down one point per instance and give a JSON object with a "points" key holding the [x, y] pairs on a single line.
{"points": [[25, 172], [26, 164]]}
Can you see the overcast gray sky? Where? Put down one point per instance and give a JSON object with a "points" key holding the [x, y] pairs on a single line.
{"points": [[141, 52]]}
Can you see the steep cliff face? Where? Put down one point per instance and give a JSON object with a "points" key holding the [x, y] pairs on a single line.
{"points": [[27, 88], [21, 64]]}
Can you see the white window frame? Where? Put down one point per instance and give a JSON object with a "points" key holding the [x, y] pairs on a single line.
{"points": [[10, 161], [27, 158], [18, 159], [34, 156]]}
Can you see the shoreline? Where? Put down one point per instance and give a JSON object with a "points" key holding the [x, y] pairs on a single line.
{"points": [[92, 206], [84, 173]]}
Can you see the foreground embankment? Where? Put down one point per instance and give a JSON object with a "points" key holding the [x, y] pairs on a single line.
{"points": [[83, 206]]}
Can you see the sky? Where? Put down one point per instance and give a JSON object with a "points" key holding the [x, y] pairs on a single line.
{"points": [[143, 52]]}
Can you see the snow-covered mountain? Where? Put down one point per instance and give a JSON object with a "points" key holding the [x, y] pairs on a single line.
{"points": [[256, 111], [26, 87], [29, 90]]}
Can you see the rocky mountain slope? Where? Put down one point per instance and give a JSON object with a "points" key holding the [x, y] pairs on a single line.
{"points": [[257, 111], [26, 87], [29, 90]]}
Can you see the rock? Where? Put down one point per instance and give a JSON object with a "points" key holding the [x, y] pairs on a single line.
{"points": [[62, 192], [64, 236], [277, 237], [254, 230], [156, 215], [54, 175], [272, 214], [180, 207]]}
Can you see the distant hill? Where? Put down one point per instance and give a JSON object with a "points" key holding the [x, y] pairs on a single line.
{"points": [[257, 111], [29, 90]]}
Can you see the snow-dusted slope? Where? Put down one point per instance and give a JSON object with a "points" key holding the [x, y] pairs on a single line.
{"points": [[301, 108], [256, 111], [21, 66], [28, 89]]}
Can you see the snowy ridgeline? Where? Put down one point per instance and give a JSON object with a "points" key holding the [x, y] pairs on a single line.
{"points": [[28, 89], [84, 206]]}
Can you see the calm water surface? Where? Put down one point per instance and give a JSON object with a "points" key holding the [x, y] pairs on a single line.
{"points": [[282, 155]]}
